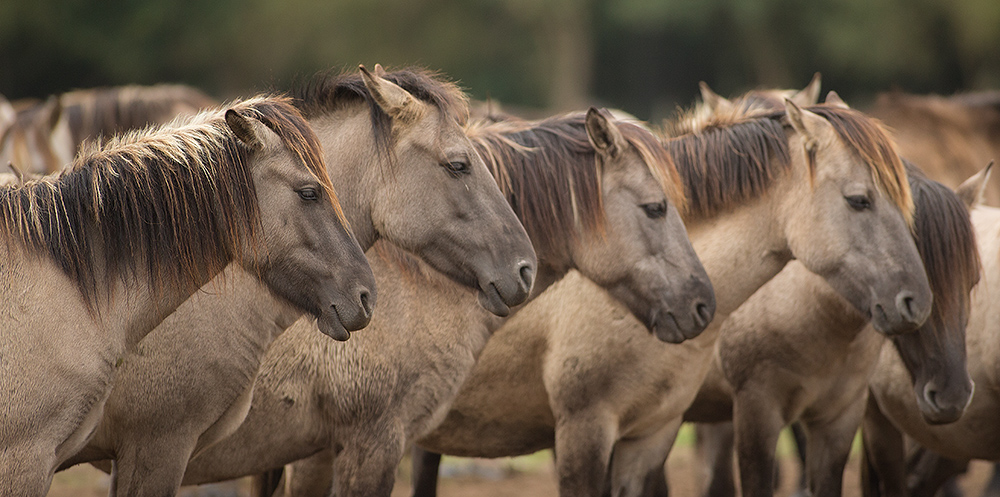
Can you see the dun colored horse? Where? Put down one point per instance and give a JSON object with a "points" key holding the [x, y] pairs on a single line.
{"points": [[892, 410], [96, 257], [156, 418], [821, 185], [594, 194], [796, 351]]}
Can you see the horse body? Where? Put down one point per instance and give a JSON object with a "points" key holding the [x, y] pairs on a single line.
{"points": [[974, 435], [399, 384], [598, 415], [158, 419], [97, 256]]}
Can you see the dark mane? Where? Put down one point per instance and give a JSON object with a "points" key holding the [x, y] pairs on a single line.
{"points": [[328, 92], [175, 202], [731, 158], [550, 173], [724, 164], [946, 241]]}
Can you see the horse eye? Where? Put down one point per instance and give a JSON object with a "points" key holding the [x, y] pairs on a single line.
{"points": [[858, 202], [655, 210], [308, 193], [457, 167]]}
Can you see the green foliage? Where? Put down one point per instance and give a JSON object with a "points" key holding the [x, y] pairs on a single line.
{"points": [[643, 55]]}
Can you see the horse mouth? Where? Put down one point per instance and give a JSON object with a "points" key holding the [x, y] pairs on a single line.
{"points": [[330, 325], [489, 297]]}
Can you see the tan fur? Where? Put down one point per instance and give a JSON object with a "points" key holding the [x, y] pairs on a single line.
{"points": [[62, 345], [574, 394], [366, 400], [975, 434], [157, 418]]}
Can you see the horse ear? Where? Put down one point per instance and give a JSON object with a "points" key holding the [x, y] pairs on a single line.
{"points": [[808, 124], [810, 94], [834, 100], [714, 101], [394, 100], [603, 134], [972, 190], [244, 130]]}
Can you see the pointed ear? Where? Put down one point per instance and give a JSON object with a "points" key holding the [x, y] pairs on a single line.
{"points": [[379, 71], [810, 94], [244, 129], [972, 190], [713, 101], [806, 123], [17, 173], [395, 101], [604, 134], [834, 100]]}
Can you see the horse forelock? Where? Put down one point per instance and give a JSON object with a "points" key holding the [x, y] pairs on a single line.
{"points": [[868, 139], [946, 241], [660, 163], [330, 91]]}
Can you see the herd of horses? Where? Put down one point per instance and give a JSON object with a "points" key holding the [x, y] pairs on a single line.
{"points": [[174, 270]]}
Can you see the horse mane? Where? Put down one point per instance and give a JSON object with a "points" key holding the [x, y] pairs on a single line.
{"points": [[109, 111], [550, 173], [179, 199], [946, 241], [328, 92], [728, 158]]}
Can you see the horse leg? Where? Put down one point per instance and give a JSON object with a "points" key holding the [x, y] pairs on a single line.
{"points": [[152, 467], [425, 472], [715, 442], [828, 447], [757, 424], [883, 467], [310, 476], [633, 460], [931, 471], [366, 466], [583, 452]]}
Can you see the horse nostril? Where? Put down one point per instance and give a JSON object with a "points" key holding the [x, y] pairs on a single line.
{"points": [[527, 276], [366, 304], [930, 395], [703, 313], [906, 304]]}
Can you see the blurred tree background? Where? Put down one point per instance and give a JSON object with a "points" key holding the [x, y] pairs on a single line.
{"points": [[644, 56]]}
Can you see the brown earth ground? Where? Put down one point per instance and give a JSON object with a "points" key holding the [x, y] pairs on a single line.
{"points": [[529, 476]]}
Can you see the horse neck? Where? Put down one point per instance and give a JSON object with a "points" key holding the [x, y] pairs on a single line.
{"points": [[741, 248], [354, 165], [134, 307], [253, 315]]}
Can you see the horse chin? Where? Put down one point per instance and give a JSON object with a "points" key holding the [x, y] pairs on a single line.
{"points": [[330, 325], [490, 299]]}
